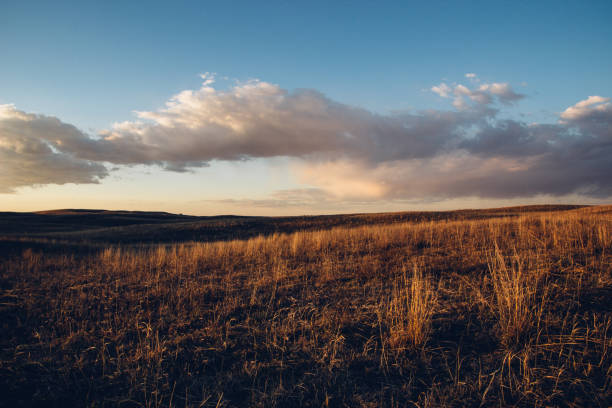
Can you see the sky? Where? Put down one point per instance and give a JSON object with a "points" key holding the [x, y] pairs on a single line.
{"points": [[286, 108]]}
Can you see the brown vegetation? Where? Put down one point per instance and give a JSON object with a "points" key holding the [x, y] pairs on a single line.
{"points": [[511, 311]]}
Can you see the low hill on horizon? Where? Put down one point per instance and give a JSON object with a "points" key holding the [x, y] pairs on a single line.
{"points": [[90, 226]]}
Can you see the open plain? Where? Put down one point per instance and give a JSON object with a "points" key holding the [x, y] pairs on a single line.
{"points": [[503, 307]]}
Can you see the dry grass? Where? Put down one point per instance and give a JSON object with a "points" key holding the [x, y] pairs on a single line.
{"points": [[518, 300], [410, 310], [485, 312]]}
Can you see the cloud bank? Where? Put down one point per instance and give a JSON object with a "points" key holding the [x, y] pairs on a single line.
{"points": [[337, 150], [28, 156]]}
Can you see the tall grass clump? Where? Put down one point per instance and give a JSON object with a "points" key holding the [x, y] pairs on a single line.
{"points": [[410, 310], [515, 297]]}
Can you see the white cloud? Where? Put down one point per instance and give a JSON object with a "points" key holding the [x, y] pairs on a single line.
{"points": [[470, 75], [588, 108], [462, 90], [485, 94], [502, 90], [443, 90]]}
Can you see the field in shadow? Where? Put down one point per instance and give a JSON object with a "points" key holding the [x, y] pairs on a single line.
{"points": [[502, 307], [107, 227]]}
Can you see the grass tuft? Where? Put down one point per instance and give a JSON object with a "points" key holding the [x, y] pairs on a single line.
{"points": [[410, 310]]}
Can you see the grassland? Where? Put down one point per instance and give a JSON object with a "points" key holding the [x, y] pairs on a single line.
{"points": [[507, 307]]}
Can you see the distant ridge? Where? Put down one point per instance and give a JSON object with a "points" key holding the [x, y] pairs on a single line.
{"points": [[122, 226], [91, 211], [77, 211]]}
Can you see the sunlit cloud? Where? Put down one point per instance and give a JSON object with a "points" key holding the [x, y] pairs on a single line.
{"points": [[594, 107], [28, 156], [336, 151], [483, 95], [443, 90]]}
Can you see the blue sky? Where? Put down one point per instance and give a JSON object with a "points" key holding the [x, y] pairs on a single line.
{"points": [[91, 64]]}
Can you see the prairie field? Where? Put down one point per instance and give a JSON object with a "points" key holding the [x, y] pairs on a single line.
{"points": [[509, 307]]}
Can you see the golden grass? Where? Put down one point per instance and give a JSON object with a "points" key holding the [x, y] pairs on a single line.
{"points": [[410, 310], [516, 291], [489, 312]]}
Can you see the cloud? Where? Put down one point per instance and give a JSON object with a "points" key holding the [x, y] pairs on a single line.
{"points": [[594, 107], [503, 91], [261, 120], [337, 151], [498, 158], [470, 75], [337, 179], [443, 90], [292, 198], [485, 94], [27, 155]]}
